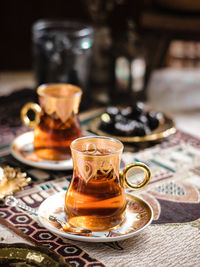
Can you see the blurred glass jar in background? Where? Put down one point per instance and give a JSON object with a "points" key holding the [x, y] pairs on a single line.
{"points": [[62, 53]]}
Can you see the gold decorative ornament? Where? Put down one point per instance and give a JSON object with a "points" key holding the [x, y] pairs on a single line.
{"points": [[12, 180]]}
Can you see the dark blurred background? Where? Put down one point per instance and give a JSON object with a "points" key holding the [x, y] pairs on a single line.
{"points": [[16, 23], [18, 17], [167, 34]]}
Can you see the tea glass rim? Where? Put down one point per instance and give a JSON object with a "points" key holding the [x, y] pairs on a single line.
{"points": [[97, 137], [41, 91], [76, 28]]}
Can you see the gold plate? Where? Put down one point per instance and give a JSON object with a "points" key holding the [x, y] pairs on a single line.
{"points": [[165, 129], [21, 254]]}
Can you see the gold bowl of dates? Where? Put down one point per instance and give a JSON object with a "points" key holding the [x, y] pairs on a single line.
{"points": [[133, 124]]}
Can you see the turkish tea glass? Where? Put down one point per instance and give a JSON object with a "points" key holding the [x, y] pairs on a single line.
{"points": [[56, 122], [95, 199]]}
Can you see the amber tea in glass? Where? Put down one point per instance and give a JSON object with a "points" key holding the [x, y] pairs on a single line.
{"points": [[95, 199], [56, 123]]}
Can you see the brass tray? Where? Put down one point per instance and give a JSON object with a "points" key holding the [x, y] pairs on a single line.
{"points": [[164, 130], [21, 254]]}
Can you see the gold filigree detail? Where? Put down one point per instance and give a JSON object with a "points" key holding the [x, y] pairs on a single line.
{"points": [[62, 100], [88, 166], [12, 180]]}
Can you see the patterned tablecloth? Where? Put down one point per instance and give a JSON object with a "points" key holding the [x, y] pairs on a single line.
{"points": [[173, 238]]}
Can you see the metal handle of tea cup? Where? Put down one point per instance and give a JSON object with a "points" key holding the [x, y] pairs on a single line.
{"points": [[24, 114], [128, 173]]}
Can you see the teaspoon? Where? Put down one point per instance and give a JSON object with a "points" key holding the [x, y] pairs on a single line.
{"points": [[13, 202]]}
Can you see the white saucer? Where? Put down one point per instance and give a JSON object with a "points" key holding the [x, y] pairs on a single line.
{"points": [[22, 149], [139, 215]]}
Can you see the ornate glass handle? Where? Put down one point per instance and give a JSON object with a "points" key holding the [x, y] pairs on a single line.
{"points": [[24, 117], [128, 173]]}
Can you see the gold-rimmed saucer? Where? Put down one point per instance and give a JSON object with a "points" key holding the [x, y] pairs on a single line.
{"points": [[22, 149], [139, 215]]}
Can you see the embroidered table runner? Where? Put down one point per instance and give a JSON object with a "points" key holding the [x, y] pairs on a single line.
{"points": [[173, 239]]}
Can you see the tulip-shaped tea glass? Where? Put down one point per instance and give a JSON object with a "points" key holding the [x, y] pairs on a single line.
{"points": [[56, 123], [95, 199]]}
